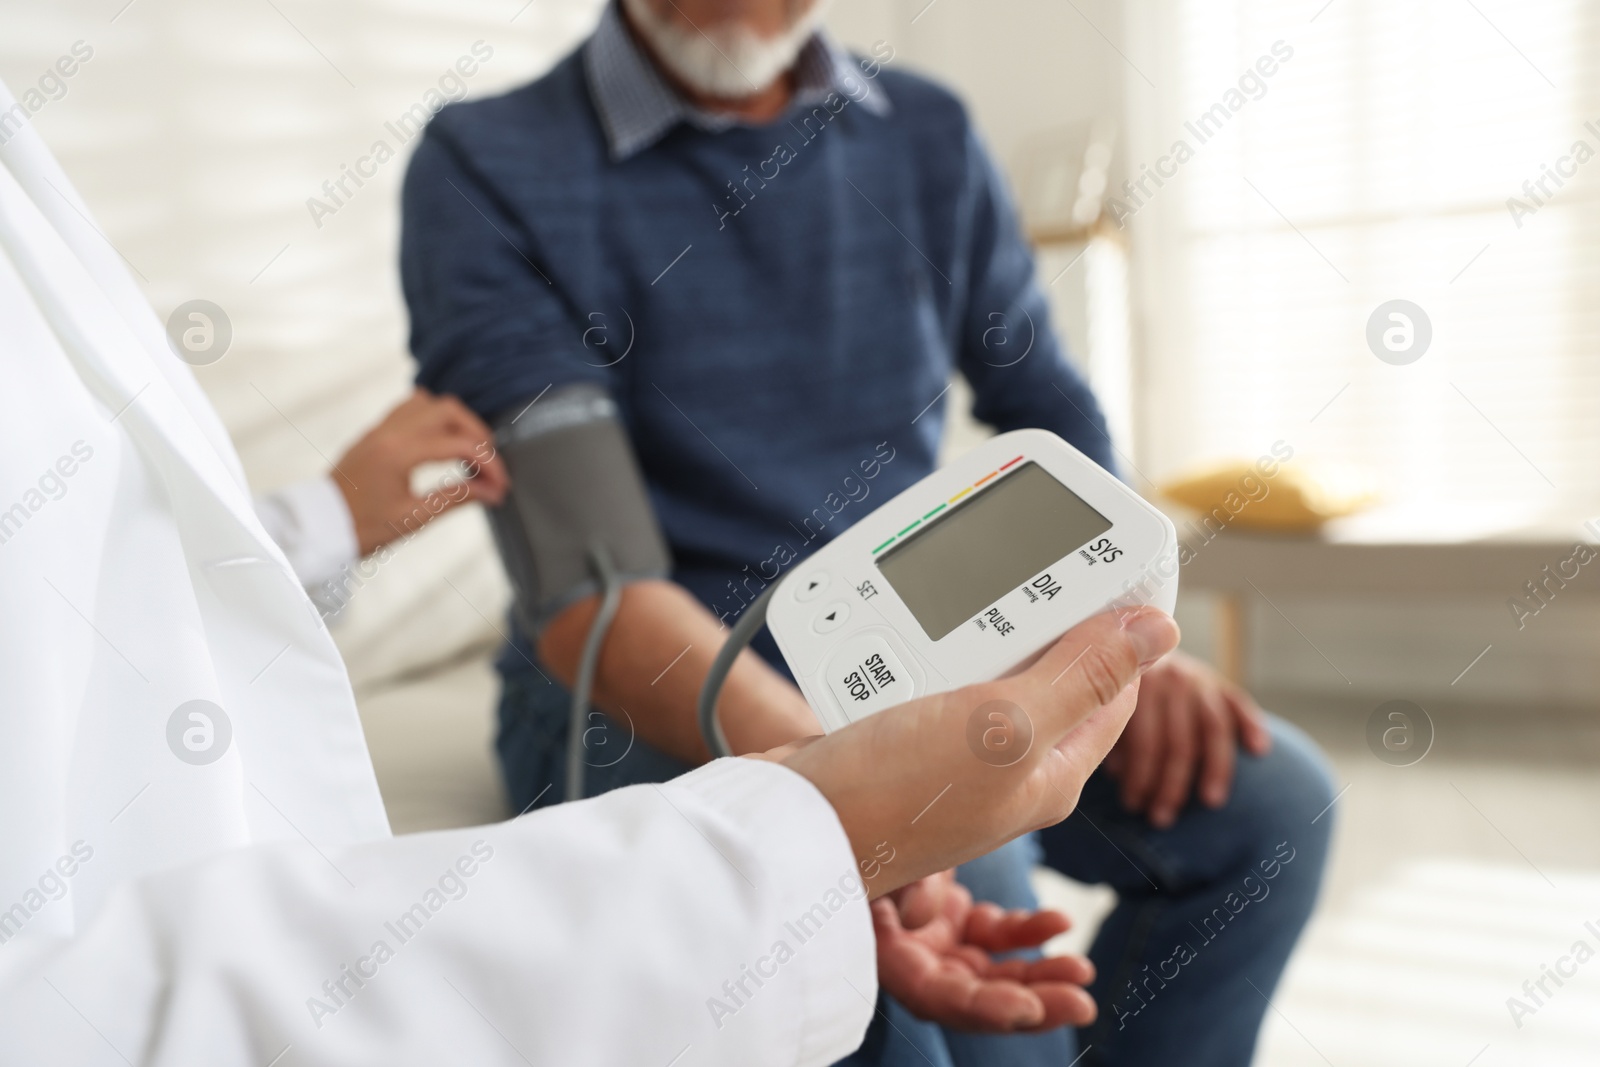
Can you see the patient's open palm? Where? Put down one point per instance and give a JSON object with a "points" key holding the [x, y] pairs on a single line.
{"points": [[936, 956]]}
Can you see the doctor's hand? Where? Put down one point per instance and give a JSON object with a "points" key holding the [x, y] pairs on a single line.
{"points": [[375, 474], [934, 956], [951, 776], [1183, 739]]}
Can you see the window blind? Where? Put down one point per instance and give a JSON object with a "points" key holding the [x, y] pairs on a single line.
{"points": [[1375, 163]]}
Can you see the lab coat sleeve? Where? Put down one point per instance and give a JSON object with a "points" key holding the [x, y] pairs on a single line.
{"points": [[311, 522], [1008, 351], [715, 919]]}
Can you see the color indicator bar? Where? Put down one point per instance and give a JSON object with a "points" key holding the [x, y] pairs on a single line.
{"points": [[992, 474]]}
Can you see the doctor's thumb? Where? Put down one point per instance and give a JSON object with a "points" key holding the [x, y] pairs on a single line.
{"points": [[1100, 657]]}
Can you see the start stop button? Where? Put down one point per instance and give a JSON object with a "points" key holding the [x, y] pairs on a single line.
{"points": [[866, 676]]}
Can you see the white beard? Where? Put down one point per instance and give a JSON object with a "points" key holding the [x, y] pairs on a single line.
{"points": [[727, 61]]}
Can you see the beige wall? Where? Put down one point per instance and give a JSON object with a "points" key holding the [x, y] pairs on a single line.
{"points": [[1025, 67]]}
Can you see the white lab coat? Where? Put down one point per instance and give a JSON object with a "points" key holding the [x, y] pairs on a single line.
{"points": [[161, 906]]}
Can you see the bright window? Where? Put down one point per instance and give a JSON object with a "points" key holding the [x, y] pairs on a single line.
{"points": [[1374, 163]]}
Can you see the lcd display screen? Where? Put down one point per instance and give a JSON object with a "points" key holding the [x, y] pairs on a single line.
{"points": [[982, 548]]}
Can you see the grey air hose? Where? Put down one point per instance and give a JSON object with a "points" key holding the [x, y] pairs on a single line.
{"points": [[739, 638]]}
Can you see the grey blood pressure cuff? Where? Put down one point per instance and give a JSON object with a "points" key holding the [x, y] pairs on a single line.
{"points": [[575, 485]]}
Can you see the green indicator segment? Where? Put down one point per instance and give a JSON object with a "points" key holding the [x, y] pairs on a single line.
{"points": [[908, 529]]}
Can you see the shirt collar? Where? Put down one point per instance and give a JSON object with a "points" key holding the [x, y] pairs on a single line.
{"points": [[637, 105]]}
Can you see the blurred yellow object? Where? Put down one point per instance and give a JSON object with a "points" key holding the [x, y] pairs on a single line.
{"points": [[1267, 495]]}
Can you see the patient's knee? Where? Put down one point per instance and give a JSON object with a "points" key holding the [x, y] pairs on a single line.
{"points": [[1287, 796]]}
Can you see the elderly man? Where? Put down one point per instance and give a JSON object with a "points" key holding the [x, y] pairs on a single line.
{"points": [[773, 256]]}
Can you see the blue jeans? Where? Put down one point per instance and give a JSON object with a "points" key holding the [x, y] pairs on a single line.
{"points": [[1207, 910]]}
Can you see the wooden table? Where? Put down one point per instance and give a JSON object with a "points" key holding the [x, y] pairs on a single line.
{"points": [[1382, 555]]}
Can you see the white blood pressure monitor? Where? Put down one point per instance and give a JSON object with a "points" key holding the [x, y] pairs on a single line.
{"points": [[968, 576]]}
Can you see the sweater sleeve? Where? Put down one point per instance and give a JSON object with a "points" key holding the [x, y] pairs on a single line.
{"points": [[715, 919], [1007, 347], [487, 322]]}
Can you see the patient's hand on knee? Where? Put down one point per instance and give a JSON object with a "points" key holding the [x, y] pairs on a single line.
{"points": [[1183, 738]]}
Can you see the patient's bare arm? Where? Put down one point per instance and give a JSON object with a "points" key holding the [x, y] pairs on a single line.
{"points": [[655, 657]]}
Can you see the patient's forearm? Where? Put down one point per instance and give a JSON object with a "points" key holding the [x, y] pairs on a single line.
{"points": [[641, 671]]}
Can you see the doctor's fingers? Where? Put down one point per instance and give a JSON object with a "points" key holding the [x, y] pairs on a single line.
{"points": [[1075, 757], [425, 408], [1091, 665], [452, 496], [486, 472], [449, 412], [437, 439], [451, 417], [423, 415]]}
